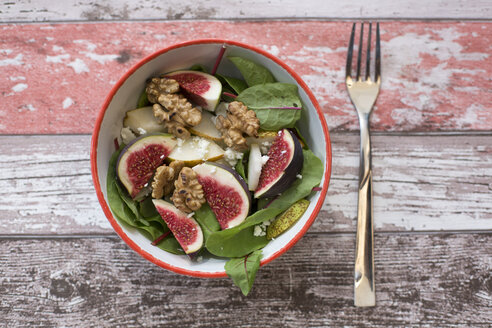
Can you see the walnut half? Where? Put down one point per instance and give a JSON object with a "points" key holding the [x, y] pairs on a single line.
{"points": [[188, 194], [163, 183], [239, 122]]}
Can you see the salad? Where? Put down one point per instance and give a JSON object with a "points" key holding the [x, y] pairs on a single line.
{"points": [[212, 166]]}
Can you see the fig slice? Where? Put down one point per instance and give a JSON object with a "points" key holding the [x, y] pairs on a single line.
{"points": [[201, 88], [140, 158], [196, 150], [284, 163], [287, 219], [226, 193], [185, 229]]}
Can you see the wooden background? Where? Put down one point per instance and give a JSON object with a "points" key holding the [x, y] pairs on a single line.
{"points": [[61, 264]]}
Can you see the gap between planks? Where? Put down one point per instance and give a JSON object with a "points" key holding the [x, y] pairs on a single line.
{"points": [[309, 233]]}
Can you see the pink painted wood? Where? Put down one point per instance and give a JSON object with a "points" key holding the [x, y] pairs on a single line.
{"points": [[436, 76]]}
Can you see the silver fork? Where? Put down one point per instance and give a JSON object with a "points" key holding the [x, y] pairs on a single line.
{"points": [[363, 93]]}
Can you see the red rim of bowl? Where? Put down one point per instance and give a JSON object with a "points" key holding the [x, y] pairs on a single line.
{"points": [[97, 185]]}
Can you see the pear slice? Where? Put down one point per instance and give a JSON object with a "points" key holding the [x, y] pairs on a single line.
{"points": [[142, 121], [206, 128], [254, 167], [196, 150]]}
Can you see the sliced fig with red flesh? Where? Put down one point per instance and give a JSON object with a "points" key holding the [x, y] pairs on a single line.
{"points": [[226, 193], [284, 164], [140, 158], [201, 88], [185, 229]]}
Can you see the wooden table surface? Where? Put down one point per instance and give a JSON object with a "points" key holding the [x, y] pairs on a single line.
{"points": [[61, 264]]}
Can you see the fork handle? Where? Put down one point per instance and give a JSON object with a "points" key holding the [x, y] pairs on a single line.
{"points": [[364, 292]]}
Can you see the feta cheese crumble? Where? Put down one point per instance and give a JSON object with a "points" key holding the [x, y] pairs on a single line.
{"points": [[190, 216], [127, 135], [264, 159], [141, 131], [232, 156], [299, 176]]}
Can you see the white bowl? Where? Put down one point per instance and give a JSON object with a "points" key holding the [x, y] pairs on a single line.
{"points": [[124, 95]]}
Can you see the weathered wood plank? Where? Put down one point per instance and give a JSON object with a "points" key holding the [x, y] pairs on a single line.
{"points": [[435, 75], [420, 183], [426, 280], [39, 10]]}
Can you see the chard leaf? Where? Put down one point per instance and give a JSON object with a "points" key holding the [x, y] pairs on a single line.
{"points": [[143, 100], [237, 85], [312, 172], [240, 167], [243, 270], [198, 68], [207, 221], [132, 205], [240, 240], [271, 103], [147, 208], [153, 227], [253, 73]]}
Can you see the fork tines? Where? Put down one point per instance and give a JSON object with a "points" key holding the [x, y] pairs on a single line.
{"points": [[348, 70]]}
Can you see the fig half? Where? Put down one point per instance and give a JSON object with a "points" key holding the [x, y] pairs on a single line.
{"points": [[201, 88], [185, 229], [284, 164], [140, 158], [226, 193]]}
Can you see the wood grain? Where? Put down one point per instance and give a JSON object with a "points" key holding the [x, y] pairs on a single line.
{"points": [[420, 183], [39, 10], [426, 280], [435, 75]]}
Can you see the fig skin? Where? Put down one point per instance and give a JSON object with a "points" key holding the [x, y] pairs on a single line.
{"points": [[290, 172], [238, 178], [172, 144], [225, 221]]}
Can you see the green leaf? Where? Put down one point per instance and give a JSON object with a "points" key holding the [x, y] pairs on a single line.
{"points": [[147, 208], [143, 100], [237, 85], [267, 101], [300, 136], [253, 73], [240, 167], [199, 68], [207, 221], [243, 270], [312, 172], [132, 205], [240, 240], [171, 245], [153, 227]]}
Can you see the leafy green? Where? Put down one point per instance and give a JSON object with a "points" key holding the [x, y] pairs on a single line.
{"points": [[240, 167], [143, 100], [240, 240], [199, 68], [312, 172], [299, 135], [132, 205], [237, 85], [271, 103], [207, 221], [147, 208], [243, 270], [253, 73], [130, 213]]}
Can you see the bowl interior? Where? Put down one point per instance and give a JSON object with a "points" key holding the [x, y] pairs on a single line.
{"points": [[125, 95]]}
